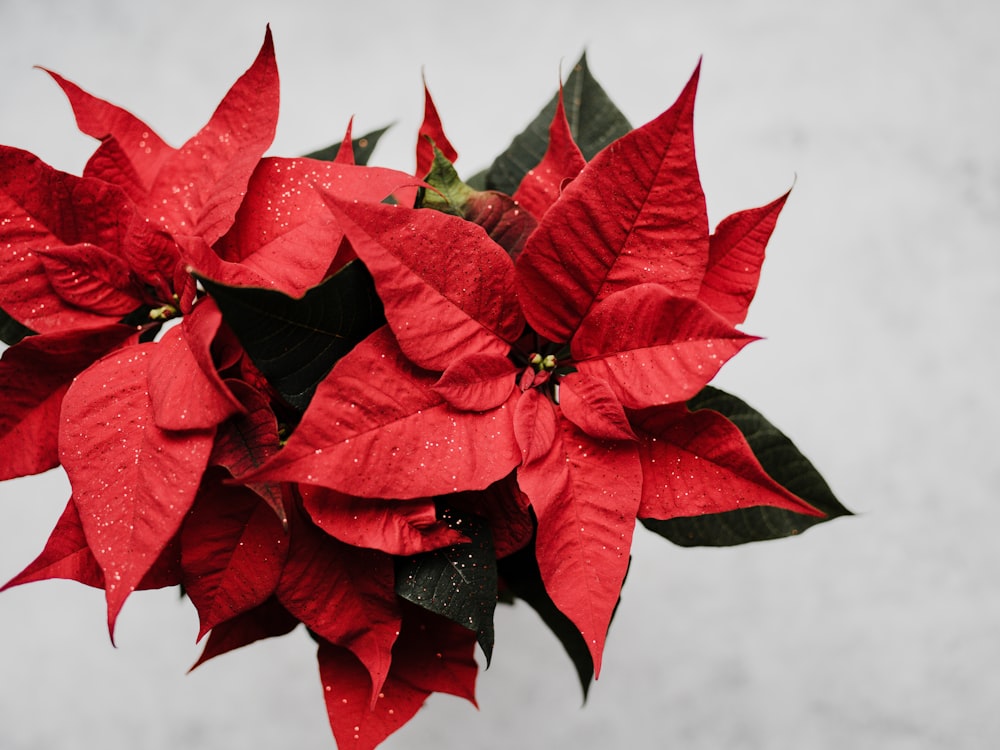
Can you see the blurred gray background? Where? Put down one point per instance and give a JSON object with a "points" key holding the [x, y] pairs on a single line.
{"points": [[878, 303]]}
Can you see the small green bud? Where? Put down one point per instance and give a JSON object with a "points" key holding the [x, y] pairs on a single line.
{"points": [[162, 313]]}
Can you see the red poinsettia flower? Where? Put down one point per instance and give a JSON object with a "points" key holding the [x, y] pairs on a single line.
{"points": [[136, 422], [527, 394], [135, 427], [571, 366], [86, 253]]}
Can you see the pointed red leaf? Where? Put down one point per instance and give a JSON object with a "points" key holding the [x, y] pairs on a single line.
{"points": [[590, 403], [440, 306], [431, 135], [132, 482], [736, 252], [91, 278], [397, 527], [66, 555], [435, 654], [199, 187], [269, 620], [50, 208], [60, 214], [137, 148], [344, 594], [233, 549], [562, 162], [35, 374], [477, 382], [284, 236], [345, 154], [111, 163], [45, 209], [635, 214], [185, 389], [654, 348], [696, 463], [182, 395], [504, 220], [376, 428], [585, 494], [431, 655]]}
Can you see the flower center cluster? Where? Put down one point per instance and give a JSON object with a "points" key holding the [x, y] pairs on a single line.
{"points": [[543, 369], [543, 364], [164, 312]]}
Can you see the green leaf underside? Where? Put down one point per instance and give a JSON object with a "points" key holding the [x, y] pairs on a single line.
{"points": [[363, 147], [296, 342], [450, 194], [11, 331], [593, 118], [458, 582], [781, 460]]}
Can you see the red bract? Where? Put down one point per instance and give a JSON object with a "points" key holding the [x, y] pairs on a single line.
{"points": [[34, 377], [634, 215], [344, 594], [431, 655], [67, 555], [197, 188], [563, 161], [283, 236], [430, 136], [133, 482], [49, 218], [398, 527], [233, 549]]}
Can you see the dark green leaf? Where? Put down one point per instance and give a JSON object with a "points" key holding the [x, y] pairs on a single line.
{"points": [[458, 582], [781, 459], [11, 331], [363, 147], [593, 118], [478, 180], [296, 342]]}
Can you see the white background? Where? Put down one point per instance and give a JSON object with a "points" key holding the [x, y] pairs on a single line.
{"points": [[879, 306]]}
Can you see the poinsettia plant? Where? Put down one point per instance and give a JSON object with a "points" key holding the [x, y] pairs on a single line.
{"points": [[310, 390]]}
